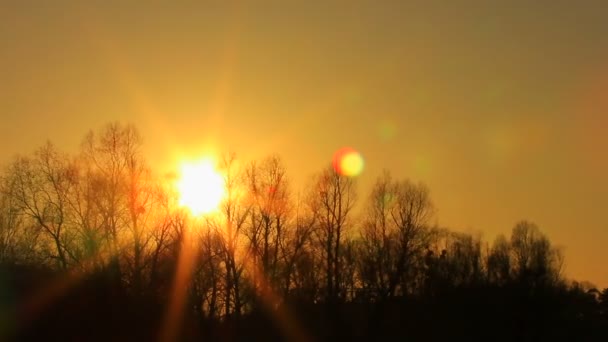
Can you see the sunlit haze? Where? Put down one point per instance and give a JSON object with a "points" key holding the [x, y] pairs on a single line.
{"points": [[498, 106]]}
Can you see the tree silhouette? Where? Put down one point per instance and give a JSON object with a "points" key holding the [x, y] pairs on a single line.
{"points": [[39, 186], [97, 239], [270, 222], [18, 238], [535, 262], [395, 234], [499, 261], [332, 199]]}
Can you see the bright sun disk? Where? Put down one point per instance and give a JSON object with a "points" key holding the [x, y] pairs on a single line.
{"points": [[200, 187]]}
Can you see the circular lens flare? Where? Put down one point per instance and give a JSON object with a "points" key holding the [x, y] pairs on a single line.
{"points": [[201, 187], [348, 162]]}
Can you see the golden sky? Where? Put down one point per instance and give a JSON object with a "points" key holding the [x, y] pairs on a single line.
{"points": [[501, 109]]}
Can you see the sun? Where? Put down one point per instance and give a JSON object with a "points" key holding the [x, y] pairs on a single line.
{"points": [[200, 186]]}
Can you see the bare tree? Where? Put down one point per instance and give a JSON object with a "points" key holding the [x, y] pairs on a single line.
{"points": [[301, 276], [463, 264], [536, 263], [209, 272], [395, 234], [115, 163], [499, 261], [161, 237], [40, 186], [378, 238], [18, 239], [269, 218], [333, 198], [230, 227]]}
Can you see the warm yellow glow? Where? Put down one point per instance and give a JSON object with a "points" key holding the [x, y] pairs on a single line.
{"points": [[201, 187]]}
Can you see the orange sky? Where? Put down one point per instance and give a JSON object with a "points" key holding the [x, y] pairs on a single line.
{"points": [[500, 109]]}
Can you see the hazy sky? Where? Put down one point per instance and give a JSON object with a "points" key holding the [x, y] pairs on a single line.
{"points": [[501, 107]]}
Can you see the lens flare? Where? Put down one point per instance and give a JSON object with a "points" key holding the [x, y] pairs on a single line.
{"points": [[348, 162]]}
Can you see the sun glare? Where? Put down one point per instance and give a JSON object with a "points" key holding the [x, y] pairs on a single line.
{"points": [[201, 187]]}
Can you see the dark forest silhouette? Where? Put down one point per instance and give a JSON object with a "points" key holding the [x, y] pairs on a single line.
{"points": [[94, 247]]}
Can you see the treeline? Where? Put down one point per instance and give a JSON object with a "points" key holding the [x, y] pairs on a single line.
{"points": [[102, 222]]}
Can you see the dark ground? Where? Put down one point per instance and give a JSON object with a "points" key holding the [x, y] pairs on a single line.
{"points": [[92, 310]]}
